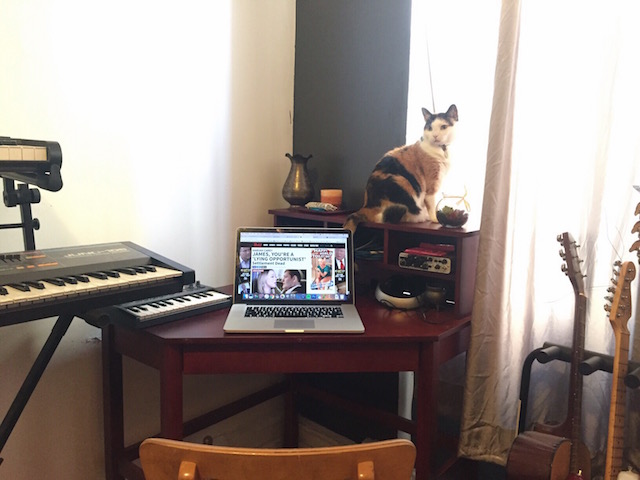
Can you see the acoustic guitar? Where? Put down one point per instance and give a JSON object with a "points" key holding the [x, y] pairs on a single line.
{"points": [[619, 313], [556, 452]]}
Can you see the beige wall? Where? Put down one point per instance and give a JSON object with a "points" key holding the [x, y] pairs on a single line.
{"points": [[173, 121]]}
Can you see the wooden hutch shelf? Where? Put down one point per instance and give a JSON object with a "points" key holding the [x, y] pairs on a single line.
{"points": [[389, 240]]}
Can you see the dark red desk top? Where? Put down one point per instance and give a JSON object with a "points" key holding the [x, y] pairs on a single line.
{"points": [[381, 325]]}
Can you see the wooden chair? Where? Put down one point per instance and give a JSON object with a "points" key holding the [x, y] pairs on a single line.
{"points": [[172, 460]]}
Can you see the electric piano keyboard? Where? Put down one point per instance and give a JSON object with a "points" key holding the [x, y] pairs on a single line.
{"points": [[192, 300], [45, 283]]}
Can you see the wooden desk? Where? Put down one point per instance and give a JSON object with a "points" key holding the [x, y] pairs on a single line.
{"points": [[392, 343]]}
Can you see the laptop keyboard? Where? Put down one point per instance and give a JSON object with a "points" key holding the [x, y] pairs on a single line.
{"points": [[294, 312]]}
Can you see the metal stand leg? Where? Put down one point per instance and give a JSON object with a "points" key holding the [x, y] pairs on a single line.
{"points": [[28, 386]]}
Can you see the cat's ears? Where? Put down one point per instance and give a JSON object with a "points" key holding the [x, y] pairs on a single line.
{"points": [[452, 113]]}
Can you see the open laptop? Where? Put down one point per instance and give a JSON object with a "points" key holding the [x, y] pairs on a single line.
{"points": [[293, 280]]}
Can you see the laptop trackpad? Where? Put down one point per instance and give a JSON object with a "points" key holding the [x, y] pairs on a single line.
{"points": [[295, 324]]}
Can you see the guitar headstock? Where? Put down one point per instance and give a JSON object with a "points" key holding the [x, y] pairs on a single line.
{"points": [[571, 265], [636, 229], [620, 307]]}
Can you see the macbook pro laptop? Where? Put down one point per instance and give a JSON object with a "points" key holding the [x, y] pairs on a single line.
{"points": [[293, 280]]}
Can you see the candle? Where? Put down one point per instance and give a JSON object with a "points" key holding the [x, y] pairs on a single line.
{"points": [[332, 196]]}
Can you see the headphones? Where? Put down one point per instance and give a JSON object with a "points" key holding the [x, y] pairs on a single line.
{"points": [[405, 293]]}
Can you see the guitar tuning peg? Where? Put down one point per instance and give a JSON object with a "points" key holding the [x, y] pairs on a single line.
{"points": [[607, 308], [609, 298], [576, 244], [562, 254], [564, 268], [636, 227], [614, 281], [559, 237], [637, 209], [617, 263], [611, 290]]}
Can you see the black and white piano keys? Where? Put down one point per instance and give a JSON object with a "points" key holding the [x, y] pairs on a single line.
{"points": [[23, 294], [167, 306]]}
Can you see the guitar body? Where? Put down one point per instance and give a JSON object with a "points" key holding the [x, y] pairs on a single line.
{"points": [[538, 456], [583, 456]]}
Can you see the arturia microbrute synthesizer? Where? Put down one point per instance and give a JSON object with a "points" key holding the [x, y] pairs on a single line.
{"points": [[193, 300]]}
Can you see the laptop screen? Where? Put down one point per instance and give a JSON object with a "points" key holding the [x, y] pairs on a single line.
{"points": [[293, 265]]}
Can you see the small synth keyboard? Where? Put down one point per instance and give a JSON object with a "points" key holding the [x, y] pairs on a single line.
{"points": [[45, 283], [193, 300]]}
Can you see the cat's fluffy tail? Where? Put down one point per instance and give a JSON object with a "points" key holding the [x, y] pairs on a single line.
{"points": [[354, 220]]}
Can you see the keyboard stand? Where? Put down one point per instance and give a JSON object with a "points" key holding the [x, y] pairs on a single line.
{"points": [[33, 377], [24, 197]]}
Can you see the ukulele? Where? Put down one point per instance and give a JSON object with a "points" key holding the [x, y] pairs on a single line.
{"points": [[619, 313], [543, 453], [580, 458]]}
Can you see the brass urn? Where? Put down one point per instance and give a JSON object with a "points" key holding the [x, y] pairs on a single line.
{"points": [[297, 189]]}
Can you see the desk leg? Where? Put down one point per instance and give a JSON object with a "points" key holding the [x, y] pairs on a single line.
{"points": [[291, 412], [171, 417], [112, 397], [426, 409]]}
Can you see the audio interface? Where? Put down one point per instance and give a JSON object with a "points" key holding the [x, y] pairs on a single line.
{"points": [[428, 257]]}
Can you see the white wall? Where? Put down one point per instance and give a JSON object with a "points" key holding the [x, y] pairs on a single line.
{"points": [[173, 119]]}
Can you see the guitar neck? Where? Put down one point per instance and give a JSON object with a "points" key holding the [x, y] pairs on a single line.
{"points": [[574, 414], [620, 312], [615, 436]]}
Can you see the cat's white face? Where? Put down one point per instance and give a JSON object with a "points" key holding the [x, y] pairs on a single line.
{"points": [[440, 133], [440, 128]]}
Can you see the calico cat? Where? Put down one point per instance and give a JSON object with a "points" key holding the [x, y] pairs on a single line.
{"points": [[404, 183]]}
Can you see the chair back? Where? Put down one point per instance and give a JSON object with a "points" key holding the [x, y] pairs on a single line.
{"points": [[164, 459]]}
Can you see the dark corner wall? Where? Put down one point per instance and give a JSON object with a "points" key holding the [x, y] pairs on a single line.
{"points": [[351, 84]]}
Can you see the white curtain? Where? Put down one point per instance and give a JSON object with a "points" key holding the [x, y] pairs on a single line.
{"points": [[563, 154]]}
